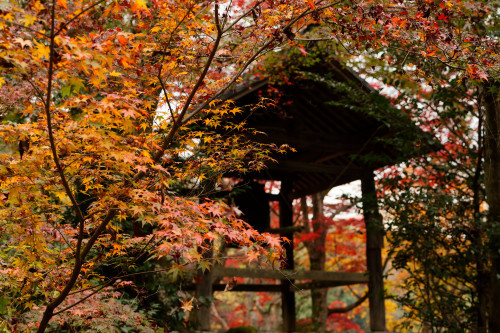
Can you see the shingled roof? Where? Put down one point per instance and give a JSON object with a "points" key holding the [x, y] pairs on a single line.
{"points": [[334, 143]]}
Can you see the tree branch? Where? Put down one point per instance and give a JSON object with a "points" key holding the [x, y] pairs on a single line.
{"points": [[242, 16], [61, 28], [49, 310], [349, 307], [257, 54], [179, 121]]}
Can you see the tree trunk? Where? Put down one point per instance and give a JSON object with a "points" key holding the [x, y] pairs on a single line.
{"points": [[492, 184], [478, 237], [317, 258]]}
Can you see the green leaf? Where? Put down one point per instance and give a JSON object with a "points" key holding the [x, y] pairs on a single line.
{"points": [[4, 302]]}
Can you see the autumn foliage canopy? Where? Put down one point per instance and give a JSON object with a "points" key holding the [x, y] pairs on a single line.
{"points": [[110, 141]]}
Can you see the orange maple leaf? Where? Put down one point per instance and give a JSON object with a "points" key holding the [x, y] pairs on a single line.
{"points": [[122, 39], [311, 3], [62, 3]]}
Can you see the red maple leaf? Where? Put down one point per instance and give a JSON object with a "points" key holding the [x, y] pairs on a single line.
{"points": [[442, 17]]}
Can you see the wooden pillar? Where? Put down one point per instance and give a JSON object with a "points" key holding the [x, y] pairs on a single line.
{"points": [[204, 289], [286, 220], [374, 244]]}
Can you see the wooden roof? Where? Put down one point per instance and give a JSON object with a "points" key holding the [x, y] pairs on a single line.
{"points": [[332, 142]]}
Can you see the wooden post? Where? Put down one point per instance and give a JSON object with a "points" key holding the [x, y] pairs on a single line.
{"points": [[286, 220], [374, 244], [204, 289]]}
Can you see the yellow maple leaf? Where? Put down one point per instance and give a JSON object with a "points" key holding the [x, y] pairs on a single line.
{"points": [[29, 20], [62, 196], [8, 17], [42, 50], [155, 29], [140, 4]]}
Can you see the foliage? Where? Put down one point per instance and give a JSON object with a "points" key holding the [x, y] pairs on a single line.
{"points": [[113, 130], [438, 228], [103, 312], [242, 329], [94, 156]]}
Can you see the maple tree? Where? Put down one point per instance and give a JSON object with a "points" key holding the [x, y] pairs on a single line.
{"points": [[451, 92], [110, 112], [441, 198], [450, 271], [93, 151]]}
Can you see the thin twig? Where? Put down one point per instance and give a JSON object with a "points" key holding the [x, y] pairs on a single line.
{"points": [[24, 27], [243, 15], [61, 28], [257, 54]]}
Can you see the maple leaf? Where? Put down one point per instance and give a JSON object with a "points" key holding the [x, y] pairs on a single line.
{"points": [[204, 265], [29, 20], [214, 210], [137, 210], [62, 3], [311, 3], [482, 75], [129, 113], [187, 306], [139, 6], [141, 168], [442, 17], [42, 50], [273, 241], [252, 256], [122, 39], [23, 42]]}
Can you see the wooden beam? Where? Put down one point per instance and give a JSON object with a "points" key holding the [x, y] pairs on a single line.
{"points": [[294, 166], [348, 144], [328, 284], [316, 276], [275, 288], [374, 244], [256, 287], [252, 287]]}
